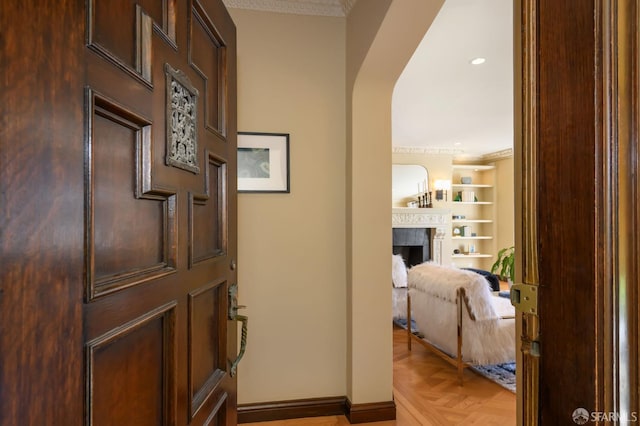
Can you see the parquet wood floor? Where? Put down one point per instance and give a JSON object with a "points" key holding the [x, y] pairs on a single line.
{"points": [[427, 393]]}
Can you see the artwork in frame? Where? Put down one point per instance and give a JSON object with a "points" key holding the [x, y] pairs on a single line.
{"points": [[263, 162]]}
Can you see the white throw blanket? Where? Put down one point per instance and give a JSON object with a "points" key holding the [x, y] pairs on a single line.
{"points": [[399, 298], [398, 271], [487, 340], [399, 281]]}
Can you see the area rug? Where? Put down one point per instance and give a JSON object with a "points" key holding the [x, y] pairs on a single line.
{"points": [[402, 323], [502, 374]]}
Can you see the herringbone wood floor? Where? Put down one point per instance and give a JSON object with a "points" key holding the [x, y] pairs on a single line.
{"points": [[427, 393]]}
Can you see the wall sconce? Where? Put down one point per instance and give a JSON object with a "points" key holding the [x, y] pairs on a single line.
{"points": [[442, 186]]}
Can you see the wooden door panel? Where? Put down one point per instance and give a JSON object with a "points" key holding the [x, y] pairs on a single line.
{"points": [[120, 31], [130, 227], [207, 222], [158, 199], [115, 261], [131, 370], [207, 327], [207, 53]]}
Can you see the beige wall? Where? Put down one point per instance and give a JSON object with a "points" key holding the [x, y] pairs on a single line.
{"points": [[370, 352], [291, 258], [505, 203], [314, 264]]}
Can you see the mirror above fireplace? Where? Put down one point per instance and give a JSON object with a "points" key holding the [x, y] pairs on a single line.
{"points": [[407, 180]]}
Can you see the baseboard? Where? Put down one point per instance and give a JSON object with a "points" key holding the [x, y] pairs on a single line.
{"points": [[372, 412], [316, 407], [294, 409]]}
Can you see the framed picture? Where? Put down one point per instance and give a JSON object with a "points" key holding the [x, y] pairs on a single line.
{"points": [[263, 162]]}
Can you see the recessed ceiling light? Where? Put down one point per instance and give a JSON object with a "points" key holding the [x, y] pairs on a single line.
{"points": [[477, 61], [457, 144]]}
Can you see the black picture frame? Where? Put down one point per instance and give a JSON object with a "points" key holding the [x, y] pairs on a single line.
{"points": [[263, 162]]}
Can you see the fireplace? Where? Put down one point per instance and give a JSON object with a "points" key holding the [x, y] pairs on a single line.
{"points": [[421, 234], [413, 244]]}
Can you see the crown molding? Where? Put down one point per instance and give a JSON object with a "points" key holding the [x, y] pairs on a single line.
{"points": [[458, 153], [498, 155], [338, 8], [425, 150]]}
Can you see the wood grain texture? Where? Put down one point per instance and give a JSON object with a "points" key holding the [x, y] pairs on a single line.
{"points": [[41, 104], [569, 173], [52, 371]]}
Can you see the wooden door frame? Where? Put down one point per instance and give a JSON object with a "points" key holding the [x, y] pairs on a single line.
{"points": [[616, 191], [525, 82]]}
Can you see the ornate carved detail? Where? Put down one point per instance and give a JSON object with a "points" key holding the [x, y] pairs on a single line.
{"points": [[426, 219], [182, 103]]}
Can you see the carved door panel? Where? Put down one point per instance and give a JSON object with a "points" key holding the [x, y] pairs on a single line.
{"points": [[160, 212], [118, 210]]}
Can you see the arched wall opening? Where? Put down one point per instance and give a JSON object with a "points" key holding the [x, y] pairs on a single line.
{"points": [[380, 42]]}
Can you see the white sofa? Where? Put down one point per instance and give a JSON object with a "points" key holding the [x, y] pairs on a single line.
{"points": [[459, 317]]}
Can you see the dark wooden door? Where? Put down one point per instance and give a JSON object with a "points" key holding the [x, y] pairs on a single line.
{"points": [[580, 208], [118, 237]]}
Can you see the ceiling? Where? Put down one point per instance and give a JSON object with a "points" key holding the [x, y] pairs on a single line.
{"points": [[442, 103]]}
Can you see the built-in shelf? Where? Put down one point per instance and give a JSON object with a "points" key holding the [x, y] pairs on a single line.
{"points": [[474, 251]]}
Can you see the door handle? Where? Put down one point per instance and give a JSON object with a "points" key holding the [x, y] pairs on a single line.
{"points": [[243, 344], [233, 316]]}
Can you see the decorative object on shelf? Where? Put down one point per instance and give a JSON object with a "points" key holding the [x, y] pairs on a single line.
{"points": [[424, 200], [504, 264], [424, 195], [465, 180], [466, 197], [263, 162], [456, 231], [458, 217]]}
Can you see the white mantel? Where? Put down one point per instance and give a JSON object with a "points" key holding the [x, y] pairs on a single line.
{"points": [[408, 217], [433, 218]]}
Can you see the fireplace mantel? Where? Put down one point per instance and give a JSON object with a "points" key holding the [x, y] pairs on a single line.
{"points": [[438, 219], [407, 217]]}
